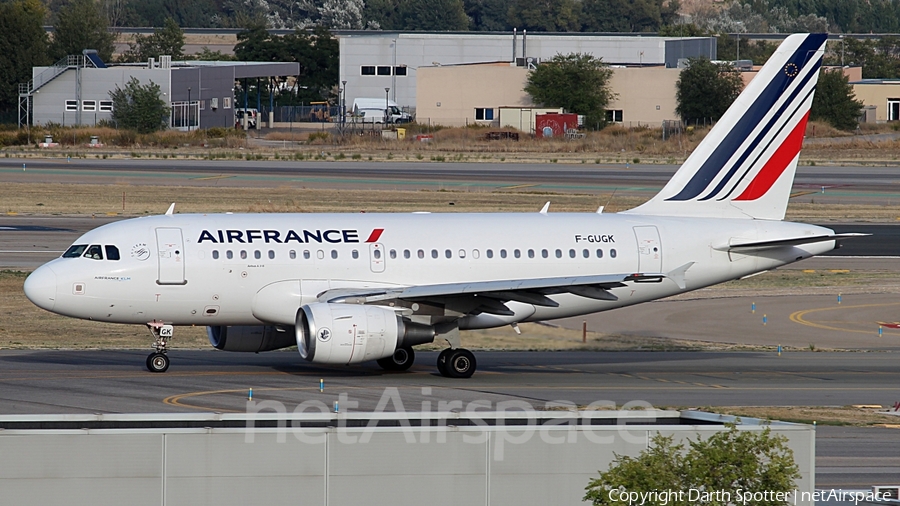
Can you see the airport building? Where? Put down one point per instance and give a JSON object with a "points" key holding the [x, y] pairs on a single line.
{"points": [[201, 94], [474, 457], [387, 64]]}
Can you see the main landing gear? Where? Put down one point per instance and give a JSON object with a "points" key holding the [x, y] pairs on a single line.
{"points": [[456, 363], [158, 361]]}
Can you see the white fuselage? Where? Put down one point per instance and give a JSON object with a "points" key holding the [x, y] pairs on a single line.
{"points": [[247, 269]]}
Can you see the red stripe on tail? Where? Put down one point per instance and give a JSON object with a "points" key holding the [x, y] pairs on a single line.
{"points": [[776, 165], [375, 235]]}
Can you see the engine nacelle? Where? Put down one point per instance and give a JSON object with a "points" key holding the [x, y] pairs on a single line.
{"points": [[350, 333], [248, 338]]}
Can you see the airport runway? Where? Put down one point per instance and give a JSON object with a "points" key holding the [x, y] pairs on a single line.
{"points": [[115, 382], [59, 381], [839, 182]]}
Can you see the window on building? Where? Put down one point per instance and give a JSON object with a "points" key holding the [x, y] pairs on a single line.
{"points": [[400, 70], [893, 106], [71, 105], [614, 115], [482, 114], [226, 103], [384, 70], [106, 106], [89, 105], [367, 70]]}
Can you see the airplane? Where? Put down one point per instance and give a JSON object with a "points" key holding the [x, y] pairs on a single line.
{"points": [[352, 288]]}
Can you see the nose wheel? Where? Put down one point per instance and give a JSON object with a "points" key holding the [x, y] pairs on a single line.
{"points": [[158, 361], [456, 363]]}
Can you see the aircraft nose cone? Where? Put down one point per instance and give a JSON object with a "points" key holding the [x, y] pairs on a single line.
{"points": [[40, 288]]}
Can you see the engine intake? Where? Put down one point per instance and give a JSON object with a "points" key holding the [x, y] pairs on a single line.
{"points": [[349, 334], [251, 339]]}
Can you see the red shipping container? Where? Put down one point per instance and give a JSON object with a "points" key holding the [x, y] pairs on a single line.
{"points": [[554, 124]]}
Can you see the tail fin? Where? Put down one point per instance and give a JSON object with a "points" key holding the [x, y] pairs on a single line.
{"points": [[745, 166]]}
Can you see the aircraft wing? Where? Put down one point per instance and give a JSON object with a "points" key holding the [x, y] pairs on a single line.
{"points": [[489, 296], [793, 241]]}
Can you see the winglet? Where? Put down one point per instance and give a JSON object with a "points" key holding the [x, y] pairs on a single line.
{"points": [[171, 210], [677, 275], [600, 210], [545, 208]]}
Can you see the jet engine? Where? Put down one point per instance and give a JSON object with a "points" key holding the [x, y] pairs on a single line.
{"points": [[330, 333], [248, 338]]}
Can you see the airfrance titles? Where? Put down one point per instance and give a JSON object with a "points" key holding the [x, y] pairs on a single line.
{"points": [[283, 237]]}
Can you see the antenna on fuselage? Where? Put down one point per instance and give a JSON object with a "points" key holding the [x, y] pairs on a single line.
{"points": [[171, 210]]}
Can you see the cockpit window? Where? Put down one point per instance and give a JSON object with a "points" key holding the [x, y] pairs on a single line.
{"points": [[94, 252], [112, 253], [75, 251]]}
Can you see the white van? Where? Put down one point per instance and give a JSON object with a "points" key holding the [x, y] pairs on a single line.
{"points": [[371, 110]]}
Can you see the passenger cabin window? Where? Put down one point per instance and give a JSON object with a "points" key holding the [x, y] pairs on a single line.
{"points": [[462, 253], [531, 253], [559, 253], [434, 253], [229, 254], [257, 255], [612, 253], [586, 253], [420, 254], [271, 255], [354, 254], [406, 253], [243, 254], [292, 254], [489, 253], [448, 253], [393, 254], [75, 251], [94, 252], [334, 254], [306, 254], [215, 254], [545, 253], [517, 253], [503, 253], [112, 252], [571, 253]]}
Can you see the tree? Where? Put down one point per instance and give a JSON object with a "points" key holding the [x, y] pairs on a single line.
{"points": [[577, 82], [627, 15], [315, 50], [82, 25], [724, 464], [487, 15], [23, 45], [433, 15], [168, 40], [545, 15], [705, 90], [835, 102], [139, 107]]}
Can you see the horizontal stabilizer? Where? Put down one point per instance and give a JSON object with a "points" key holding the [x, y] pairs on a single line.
{"points": [[794, 241]]}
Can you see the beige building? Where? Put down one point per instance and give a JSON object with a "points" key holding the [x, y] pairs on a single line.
{"points": [[644, 95], [459, 95], [881, 96], [487, 93]]}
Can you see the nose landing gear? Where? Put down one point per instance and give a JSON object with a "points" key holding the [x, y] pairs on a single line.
{"points": [[158, 361]]}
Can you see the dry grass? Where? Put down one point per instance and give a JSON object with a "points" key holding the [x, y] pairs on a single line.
{"points": [[843, 415], [78, 199]]}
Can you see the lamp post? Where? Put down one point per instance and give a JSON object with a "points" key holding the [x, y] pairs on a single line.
{"points": [[386, 107], [189, 111], [343, 102]]}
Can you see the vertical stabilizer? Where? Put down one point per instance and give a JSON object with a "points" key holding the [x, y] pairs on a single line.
{"points": [[745, 166]]}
